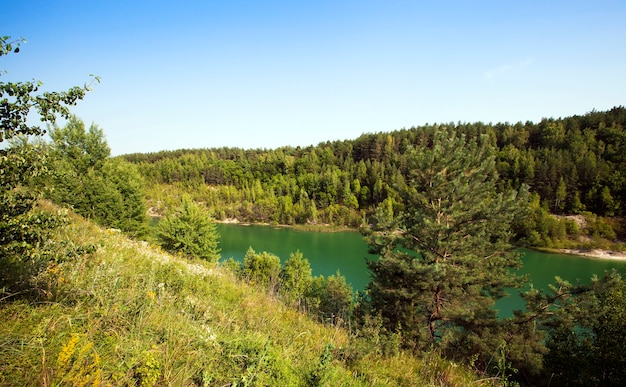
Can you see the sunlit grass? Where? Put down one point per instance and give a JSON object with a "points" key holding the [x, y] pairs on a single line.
{"points": [[128, 313]]}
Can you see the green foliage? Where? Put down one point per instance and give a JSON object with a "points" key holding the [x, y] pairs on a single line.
{"points": [[25, 231], [128, 314], [190, 231], [331, 299], [26, 248], [83, 149], [109, 191], [586, 328], [341, 183], [295, 279], [319, 375], [446, 258], [255, 362], [262, 269], [18, 99], [123, 180]]}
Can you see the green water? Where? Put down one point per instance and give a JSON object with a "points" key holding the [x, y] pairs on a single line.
{"points": [[326, 252], [347, 252]]}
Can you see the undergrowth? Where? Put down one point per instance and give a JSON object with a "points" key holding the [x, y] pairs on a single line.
{"points": [[123, 312]]}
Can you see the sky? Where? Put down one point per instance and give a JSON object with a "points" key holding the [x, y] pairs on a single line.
{"points": [[267, 74]]}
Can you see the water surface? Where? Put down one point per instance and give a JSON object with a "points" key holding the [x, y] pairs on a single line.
{"points": [[346, 252]]}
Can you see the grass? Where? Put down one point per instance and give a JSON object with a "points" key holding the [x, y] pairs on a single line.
{"points": [[130, 314]]}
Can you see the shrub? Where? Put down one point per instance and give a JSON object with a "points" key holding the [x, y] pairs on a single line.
{"points": [[190, 231], [262, 269]]}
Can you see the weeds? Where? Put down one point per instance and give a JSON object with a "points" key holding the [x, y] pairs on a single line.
{"points": [[124, 313]]}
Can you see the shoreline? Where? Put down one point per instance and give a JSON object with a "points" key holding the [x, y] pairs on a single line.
{"points": [[613, 255], [312, 227], [595, 254]]}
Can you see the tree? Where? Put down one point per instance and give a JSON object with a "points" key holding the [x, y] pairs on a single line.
{"points": [[25, 243], [560, 196], [109, 191], [331, 298], [25, 231], [446, 258], [586, 327], [82, 148], [18, 99], [191, 231], [296, 277], [124, 178]]}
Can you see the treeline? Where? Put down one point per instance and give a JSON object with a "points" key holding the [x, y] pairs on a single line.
{"points": [[573, 165]]}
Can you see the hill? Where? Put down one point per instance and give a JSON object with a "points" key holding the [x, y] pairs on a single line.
{"points": [[116, 311], [572, 166]]}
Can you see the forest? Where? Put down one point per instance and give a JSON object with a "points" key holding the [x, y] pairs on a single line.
{"points": [[444, 207], [572, 166]]}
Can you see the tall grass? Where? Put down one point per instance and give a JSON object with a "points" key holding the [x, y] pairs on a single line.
{"points": [[127, 313]]}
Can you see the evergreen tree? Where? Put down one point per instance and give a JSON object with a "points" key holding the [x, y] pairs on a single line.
{"points": [[586, 327], [109, 191], [83, 148], [124, 178], [446, 258], [190, 231]]}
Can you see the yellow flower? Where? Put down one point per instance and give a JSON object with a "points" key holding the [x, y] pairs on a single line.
{"points": [[63, 360]]}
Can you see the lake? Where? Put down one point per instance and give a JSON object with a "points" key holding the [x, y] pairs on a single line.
{"points": [[346, 252]]}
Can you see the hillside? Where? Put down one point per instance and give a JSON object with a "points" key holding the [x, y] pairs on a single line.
{"points": [[572, 166], [117, 311]]}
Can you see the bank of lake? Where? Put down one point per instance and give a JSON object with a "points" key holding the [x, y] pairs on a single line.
{"points": [[346, 253]]}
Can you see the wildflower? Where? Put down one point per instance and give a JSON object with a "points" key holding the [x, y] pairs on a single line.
{"points": [[211, 336], [63, 360]]}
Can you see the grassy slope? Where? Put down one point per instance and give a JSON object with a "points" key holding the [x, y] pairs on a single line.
{"points": [[129, 314]]}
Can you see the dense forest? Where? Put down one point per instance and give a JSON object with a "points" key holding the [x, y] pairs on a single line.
{"points": [[573, 166]]}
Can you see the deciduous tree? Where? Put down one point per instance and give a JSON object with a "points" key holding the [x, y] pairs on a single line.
{"points": [[25, 245], [296, 277]]}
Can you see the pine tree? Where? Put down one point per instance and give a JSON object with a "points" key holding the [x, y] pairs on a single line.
{"points": [[446, 258], [586, 327], [190, 231]]}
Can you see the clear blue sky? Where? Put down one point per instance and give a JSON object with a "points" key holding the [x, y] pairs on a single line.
{"points": [[265, 74]]}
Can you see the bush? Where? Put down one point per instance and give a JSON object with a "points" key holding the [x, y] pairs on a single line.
{"points": [[331, 299], [262, 269], [25, 231], [190, 231], [295, 279]]}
